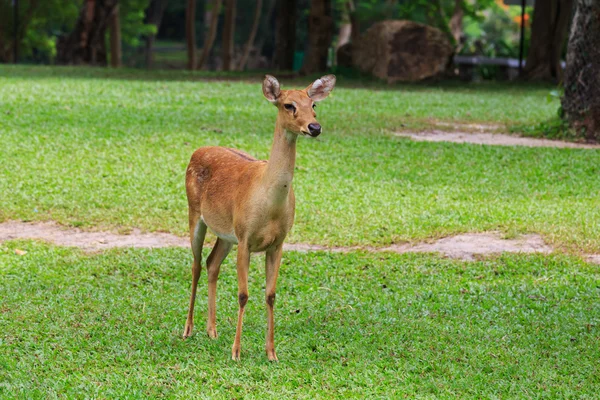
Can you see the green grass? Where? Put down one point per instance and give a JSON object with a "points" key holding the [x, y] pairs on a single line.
{"points": [[347, 326], [104, 149]]}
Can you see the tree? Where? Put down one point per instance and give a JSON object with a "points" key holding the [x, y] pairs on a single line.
{"points": [[285, 36], [548, 35], [320, 32], [252, 36], [581, 102], [456, 23], [115, 39], [228, 35], [190, 33], [8, 45], [154, 14], [86, 44], [212, 32]]}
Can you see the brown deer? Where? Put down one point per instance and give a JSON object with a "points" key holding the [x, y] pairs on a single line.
{"points": [[249, 202]]}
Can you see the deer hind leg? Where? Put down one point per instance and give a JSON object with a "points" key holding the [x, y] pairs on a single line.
{"points": [[272, 263], [197, 234], [243, 262], [213, 266]]}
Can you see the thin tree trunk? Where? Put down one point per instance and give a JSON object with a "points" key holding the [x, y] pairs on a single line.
{"points": [[285, 36], [320, 31], [228, 35], [456, 23], [548, 34], [115, 39], [345, 31], [355, 31], [190, 33], [212, 33], [581, 102], [252, 36], [154, 14], [8, 47]]}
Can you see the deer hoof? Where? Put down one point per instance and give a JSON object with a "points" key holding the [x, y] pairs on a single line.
{"points": [[271, 355], [187, 332], [212, 333], [235, 354]]}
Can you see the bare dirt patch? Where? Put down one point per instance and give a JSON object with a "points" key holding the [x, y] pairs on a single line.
{"points": [[87, 241], [465, 246], [493, 139]]}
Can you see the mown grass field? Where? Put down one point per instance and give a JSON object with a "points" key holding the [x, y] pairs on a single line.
{"points": [[107, 150], [347, 326], [102, 149]]}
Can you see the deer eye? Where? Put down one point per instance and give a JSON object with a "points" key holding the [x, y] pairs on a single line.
{"points": [[290, 107], [314, 105]]}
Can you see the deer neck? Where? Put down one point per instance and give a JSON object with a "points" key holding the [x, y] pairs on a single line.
{"points": [[280, 167]]}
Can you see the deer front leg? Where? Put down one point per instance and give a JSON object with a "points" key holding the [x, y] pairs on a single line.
{"points": [[197, 234], [272, 262], [243, 262], [213, 266]]}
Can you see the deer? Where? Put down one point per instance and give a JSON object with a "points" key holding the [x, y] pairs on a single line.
{"points": [[250, 203]]}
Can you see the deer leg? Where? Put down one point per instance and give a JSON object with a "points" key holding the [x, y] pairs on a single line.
{"points": [[272, 262], [243, 262], [213, 266], [197, 234]]}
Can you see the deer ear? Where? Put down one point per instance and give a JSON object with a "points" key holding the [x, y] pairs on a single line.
{"points": [[271, 89], [321, 88]]}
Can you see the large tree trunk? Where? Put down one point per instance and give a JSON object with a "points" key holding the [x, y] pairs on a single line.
{"points": [[212, 32], [228, 35], [548, 34], [320, 31], [154, 14], [581, 102], [252, 36], [115, 39], [285, 36], [86, 44], [190, 33]]}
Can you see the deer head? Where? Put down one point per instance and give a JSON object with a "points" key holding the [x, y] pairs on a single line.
{"points": [[297, 107]]}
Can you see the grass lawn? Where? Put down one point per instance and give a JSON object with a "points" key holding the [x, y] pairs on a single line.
{"points": [[348, 326], [104, 149]]}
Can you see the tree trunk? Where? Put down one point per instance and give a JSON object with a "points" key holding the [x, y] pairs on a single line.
{"points": [[285, 39], [456, 23], [190, 33], [212, 33], [345, 32], [548, 34], [115, 39], [320, 31], [228, 35], [252, 36], [581, 102], [154, 14], [86, 44]]}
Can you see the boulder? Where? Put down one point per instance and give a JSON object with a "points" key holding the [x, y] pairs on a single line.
{"points": [[406, 51]]}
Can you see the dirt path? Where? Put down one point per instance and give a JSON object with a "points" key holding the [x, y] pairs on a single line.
{"points": [[464, 247], [494, 139]]}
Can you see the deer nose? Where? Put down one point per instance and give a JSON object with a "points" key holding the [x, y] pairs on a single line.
{"points": [[314, 129]]}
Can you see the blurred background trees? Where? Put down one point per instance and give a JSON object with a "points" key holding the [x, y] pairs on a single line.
{"points": [[288, 35]]}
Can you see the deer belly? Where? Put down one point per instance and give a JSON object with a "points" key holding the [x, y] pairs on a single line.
{"points": [[228, 237], [221, 232]]}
